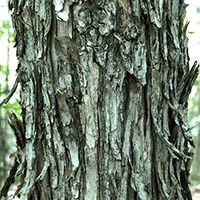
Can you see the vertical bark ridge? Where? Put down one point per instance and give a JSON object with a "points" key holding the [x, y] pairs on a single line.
{"points": [[104, 99]]}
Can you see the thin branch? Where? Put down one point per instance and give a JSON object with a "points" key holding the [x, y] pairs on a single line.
{"points": [[5, 101], [9, 180]]}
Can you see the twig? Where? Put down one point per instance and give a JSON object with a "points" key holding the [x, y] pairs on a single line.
{"points": [[10, 180], [5, 101]]}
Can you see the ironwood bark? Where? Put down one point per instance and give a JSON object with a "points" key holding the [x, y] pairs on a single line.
{"points": [[104, 89]]}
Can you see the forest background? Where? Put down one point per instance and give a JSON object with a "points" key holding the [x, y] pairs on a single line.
{"points": [[8, 63]]}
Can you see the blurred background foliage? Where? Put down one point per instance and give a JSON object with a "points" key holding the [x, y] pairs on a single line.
{"points": [[193, 15], [7, 140], [194, 120], [8, 66]]}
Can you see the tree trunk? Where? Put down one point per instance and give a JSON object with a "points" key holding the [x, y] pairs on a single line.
{"points": [[104, 89]]}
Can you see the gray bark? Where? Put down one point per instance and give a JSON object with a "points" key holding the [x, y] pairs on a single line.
{"points": [[104, 89]]}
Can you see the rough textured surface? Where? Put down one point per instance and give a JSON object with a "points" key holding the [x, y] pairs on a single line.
{"points": [[104, 89]]}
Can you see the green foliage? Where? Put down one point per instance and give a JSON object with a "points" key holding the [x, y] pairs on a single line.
{"points": [[6, 28], [194, 107], [191, 32], [194, 120], [1, 33], [7, 140]]}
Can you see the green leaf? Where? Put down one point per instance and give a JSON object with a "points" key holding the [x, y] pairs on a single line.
{"points": [[191, 32]]}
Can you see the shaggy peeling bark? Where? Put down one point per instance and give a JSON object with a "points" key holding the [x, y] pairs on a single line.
{"points": [[104, 90]]}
